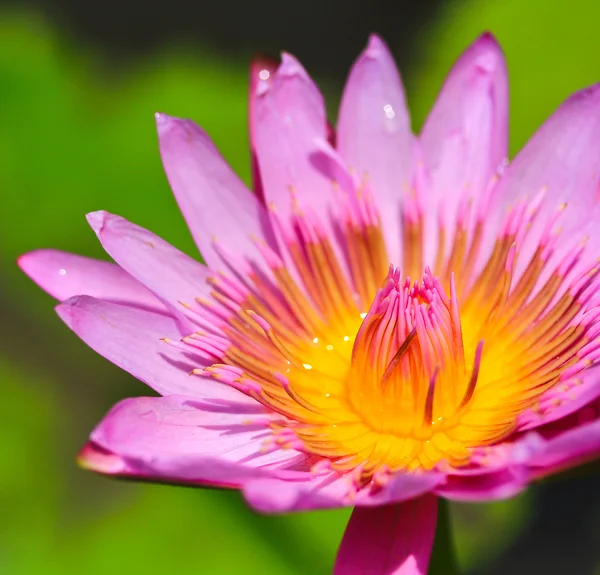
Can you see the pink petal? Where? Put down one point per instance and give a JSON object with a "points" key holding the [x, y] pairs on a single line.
{"points": [[262, 70], [98, 459], [181, 438], [261, 77], [289, 123], [216, 204], [496, 472], [389, 540], [465, 137], [564, 399], [562, 160], [218, 474], [278, 496], [374, 135], [174, 277], [496, 484], [333, 490], [403, 486], [131, 338], [566, 450], [64, 275]]}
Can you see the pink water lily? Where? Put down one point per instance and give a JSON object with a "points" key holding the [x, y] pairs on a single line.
{"points": [[301, 367]]}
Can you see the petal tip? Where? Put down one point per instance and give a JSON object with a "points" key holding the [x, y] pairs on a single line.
{"points": [[71, 308], [589, 96], [488, 38], [94, 458], [163, 122], [97, 220], [27, 263], [262, 70], [65, 311], [375, 46], [43, 267], [262, 67], [290, 66], [487, 53]]}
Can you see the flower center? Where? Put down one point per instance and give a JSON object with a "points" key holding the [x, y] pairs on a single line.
{"points": [[377, 378]]}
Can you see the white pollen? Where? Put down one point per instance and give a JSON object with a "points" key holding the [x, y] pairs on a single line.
{"points": [[316, 340], [307, 366], [346, 338], [264, 74], [62, 272], [328, 347], [389, 111], [363, 315]]}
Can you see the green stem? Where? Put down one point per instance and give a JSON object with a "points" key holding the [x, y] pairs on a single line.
{"points": [[443, 558]]}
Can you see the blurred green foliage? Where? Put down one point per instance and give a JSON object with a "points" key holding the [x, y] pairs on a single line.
{"points": [[76, 137]]}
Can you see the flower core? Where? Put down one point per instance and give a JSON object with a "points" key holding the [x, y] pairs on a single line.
{"points": [[370, 371]]}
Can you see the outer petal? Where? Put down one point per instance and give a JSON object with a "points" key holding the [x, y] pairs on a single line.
{"points": [[564, 399], [64, 275], [174, 277], [131, 338], [261, 77], [289, 128], [389, 540], [178, 437], [562, 161], [218, 473], [218, 207], [97, 459], [330, 491], [486, 486], [498, 472], [568, 449], [374, 135], [465, 137]]}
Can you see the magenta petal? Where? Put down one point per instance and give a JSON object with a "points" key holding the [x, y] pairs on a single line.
{"points": [[279, 496], [261, 77], [498, 472], [131, 338], [181, 438], [173, 276], [567, 450], [289, 121], [262, 71], [562, 400], [374, 136], [332, 490], [100, 460], [389, 540], [64, 275], [403, 486], [497, 484], [465, 137], [218, 473], [218, 207], [562, 163]]}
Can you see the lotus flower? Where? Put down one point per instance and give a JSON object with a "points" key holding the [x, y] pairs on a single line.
{"points": [[388, 320]]}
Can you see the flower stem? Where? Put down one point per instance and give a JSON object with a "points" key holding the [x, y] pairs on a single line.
{"points": [[443, 558]]}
